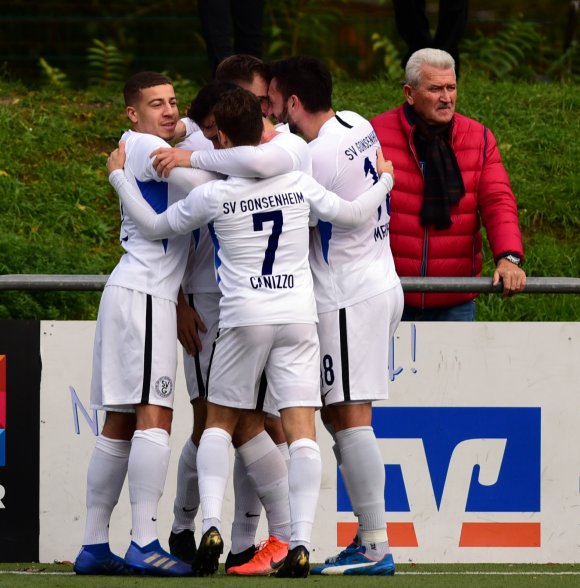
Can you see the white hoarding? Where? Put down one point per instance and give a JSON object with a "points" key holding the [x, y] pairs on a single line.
{"points": [[480, 442]]}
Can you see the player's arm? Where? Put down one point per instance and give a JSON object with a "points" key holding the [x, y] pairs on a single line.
{"points": [[183, 176], [188, 179], [189, 324], [353, 214], [166, 159], [152, 225], [261, 161], [184, 127]]}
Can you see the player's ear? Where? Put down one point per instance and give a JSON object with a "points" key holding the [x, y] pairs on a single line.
{"points": [[131, 114], [224, 140], [294, 102]]}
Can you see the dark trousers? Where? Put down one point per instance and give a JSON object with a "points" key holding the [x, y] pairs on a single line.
{"points": [[230, 27], [459, 312], [413, 26]]}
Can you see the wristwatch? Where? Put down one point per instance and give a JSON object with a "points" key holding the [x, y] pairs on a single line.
{"points": [[515, 259]]}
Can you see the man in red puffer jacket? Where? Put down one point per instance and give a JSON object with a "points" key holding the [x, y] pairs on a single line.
{"points": [[450, 180]]}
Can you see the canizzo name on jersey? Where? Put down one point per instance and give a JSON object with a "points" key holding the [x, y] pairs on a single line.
{"points": [[263, 202], [272, 282]]}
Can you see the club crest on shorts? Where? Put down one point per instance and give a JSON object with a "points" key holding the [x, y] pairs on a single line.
{"points": [[164, 386]]}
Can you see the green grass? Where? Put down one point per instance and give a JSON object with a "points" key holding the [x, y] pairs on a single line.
{"points": [[437, 576], [59, 215]]}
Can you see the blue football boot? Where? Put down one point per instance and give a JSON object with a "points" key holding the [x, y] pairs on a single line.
{"points": [[152, 560], [99, 560], [354, 562]]}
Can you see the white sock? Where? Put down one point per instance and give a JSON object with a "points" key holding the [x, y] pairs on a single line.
{"points": [[105, 476], [345, 480], [148, 463], [186, 503], [269, 475], [284, 452], [247, 509], [363, 467], [304, 476], [213, 466]]}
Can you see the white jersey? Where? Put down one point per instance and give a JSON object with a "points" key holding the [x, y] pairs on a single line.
{"points": [[199, 276], [283, 153], [152, 267], [349, 265], [260, 230]]}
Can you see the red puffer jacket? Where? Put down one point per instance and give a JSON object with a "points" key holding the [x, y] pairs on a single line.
{"points": [[488, 199]]}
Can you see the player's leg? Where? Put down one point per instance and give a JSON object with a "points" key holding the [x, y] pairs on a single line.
{"points": [[355, 355], [237, 363], [362, 465], [146, 334], [186, 504], [247, 509], [273, 426], [213, 470], [268, 474], [108, 466], [147, 471], [247, 503], [293, 379], [304, 477], [105, 477]]}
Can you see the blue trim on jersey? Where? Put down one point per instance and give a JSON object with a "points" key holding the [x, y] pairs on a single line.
{"points": [[157, 196], [325, 230], [196, 236], [216, 247]]}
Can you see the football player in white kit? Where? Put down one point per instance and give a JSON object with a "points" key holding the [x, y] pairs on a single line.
{"points": [[267, 314], [359, 299], [134, 357], [264, 480]]}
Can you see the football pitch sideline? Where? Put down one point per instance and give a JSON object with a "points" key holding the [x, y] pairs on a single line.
{"points": [[37, 575]]}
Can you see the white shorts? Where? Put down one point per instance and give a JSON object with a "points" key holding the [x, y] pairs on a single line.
{"points": [[289, 356], [135, 351], [354, 348], [207, 305]]}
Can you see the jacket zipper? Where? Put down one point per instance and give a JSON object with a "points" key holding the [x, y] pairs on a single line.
{"points": [[425, 232]]}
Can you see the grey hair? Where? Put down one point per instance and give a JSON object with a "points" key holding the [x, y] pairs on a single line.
{"points": [[433, 57]]}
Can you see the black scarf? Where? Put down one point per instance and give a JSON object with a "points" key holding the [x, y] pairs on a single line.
{"points": [[443, 186]]}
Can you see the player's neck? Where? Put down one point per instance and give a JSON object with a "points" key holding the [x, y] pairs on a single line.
{"points": [[313, 123]]}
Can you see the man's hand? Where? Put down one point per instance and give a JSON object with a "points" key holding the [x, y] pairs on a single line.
{"points": [[116, 159], [189, 324], [513, 277], [166, 158], [384, 166]]}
